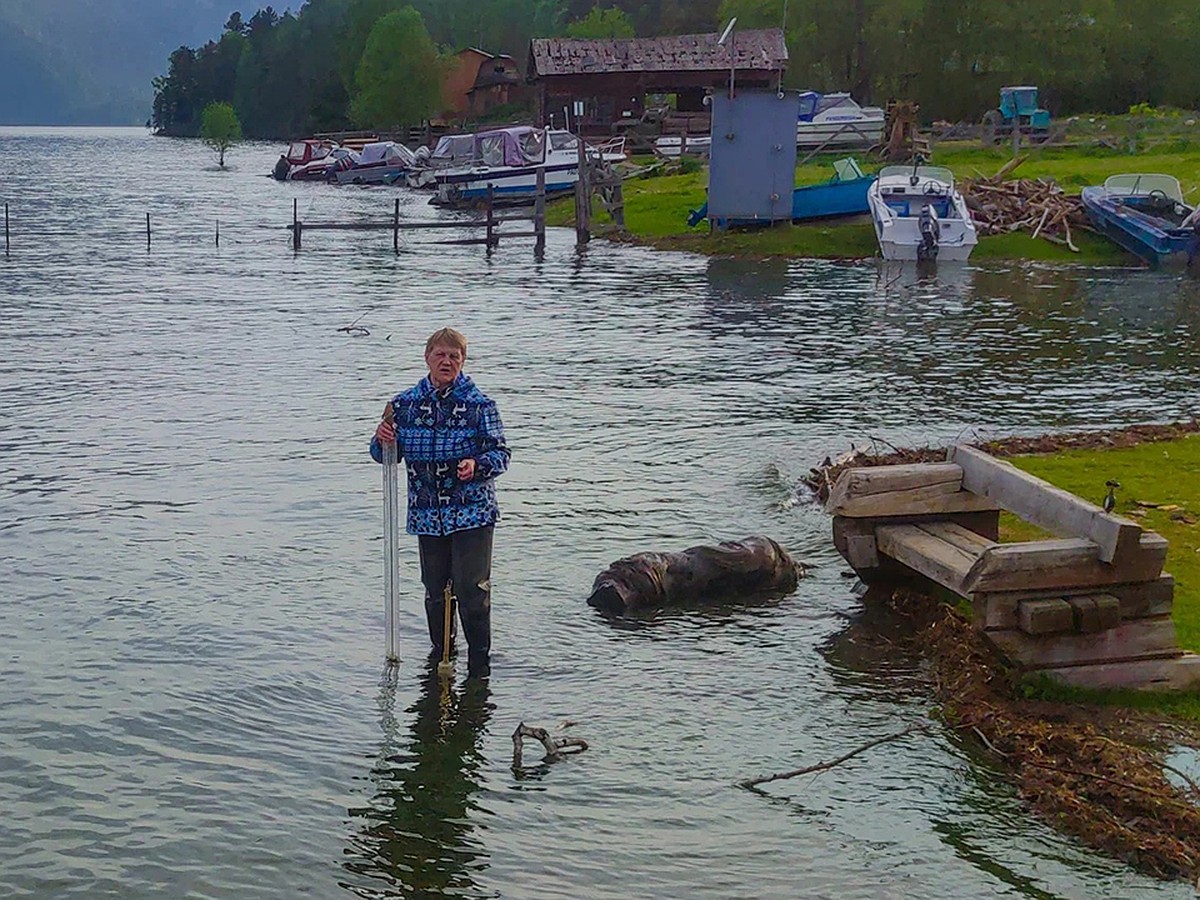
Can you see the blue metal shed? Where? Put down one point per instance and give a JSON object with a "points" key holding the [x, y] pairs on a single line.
{"points": [[752, 161]]}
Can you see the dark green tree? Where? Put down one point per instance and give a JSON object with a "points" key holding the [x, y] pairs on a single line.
{"points": [[602, 23], [399, 78]]}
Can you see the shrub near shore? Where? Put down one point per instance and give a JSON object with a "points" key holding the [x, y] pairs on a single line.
{"points": [[656, 208]]}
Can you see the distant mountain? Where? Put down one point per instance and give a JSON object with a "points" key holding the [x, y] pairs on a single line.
{"points": [[90, 62]]}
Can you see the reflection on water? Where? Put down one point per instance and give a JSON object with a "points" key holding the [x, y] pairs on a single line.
{"points": [[417, 836]]}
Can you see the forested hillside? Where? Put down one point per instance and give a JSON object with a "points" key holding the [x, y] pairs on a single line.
{"points": [[92, 61], [953, 55], [291, 74]]}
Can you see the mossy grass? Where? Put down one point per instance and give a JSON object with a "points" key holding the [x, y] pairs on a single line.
{"points": [[1166, 474], [656, 208]]}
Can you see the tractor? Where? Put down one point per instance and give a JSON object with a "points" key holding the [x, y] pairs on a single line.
{"points": [[1018, 110]]}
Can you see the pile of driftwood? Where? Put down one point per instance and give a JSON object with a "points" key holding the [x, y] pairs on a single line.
{"points": [[1035, 205]]}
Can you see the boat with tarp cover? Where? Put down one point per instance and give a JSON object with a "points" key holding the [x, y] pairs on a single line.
{"points": [[1146, 214], [378, 162], [508, 159], [836, 120]]}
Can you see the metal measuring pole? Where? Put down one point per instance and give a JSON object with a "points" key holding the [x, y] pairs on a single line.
{"points": [[391, 531]]}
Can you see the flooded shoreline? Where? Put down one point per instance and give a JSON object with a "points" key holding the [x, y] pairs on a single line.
{"points": [[194, 641]]}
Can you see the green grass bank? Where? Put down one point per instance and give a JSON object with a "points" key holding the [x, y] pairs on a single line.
{"points": [[656, 208], [1160, 488]]}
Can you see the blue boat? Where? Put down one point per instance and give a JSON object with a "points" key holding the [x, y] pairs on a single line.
{"points": [[1146, 215], [843, 195]]}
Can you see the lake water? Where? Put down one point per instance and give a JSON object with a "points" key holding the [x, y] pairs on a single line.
{"points": [[192, 693]]}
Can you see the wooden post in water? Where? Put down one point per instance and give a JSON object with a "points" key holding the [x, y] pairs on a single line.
{"points": [[583, 198], [147, 231], [218, 238], [6, 229], [396, 227], [295, 224], [492, 239], [539, 214]]}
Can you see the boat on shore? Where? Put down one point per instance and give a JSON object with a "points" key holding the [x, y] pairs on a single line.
{"points": [[845, 194], [836, 120], [508, 160], [919, 215], [673, 146], [1146, 214]]}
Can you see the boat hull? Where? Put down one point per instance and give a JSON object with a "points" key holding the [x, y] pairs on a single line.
{"points": [[373, 175], [510, 186], [849, 133], [830, 200], [1154, 240]]}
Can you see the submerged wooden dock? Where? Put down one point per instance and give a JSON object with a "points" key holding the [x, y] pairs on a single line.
{"points": [[1090, 607]]}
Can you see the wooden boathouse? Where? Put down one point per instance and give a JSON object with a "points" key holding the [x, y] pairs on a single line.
{"points": [[1090, 607], [603, 84]]}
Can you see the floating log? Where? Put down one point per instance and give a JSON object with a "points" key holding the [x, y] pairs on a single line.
{"points": [[756, 566]]}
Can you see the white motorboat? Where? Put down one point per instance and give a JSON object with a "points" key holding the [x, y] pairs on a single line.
{"points": [[919, 215], [508, 159], [836, 120]]}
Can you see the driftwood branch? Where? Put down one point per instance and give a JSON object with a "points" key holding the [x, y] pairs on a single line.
{"points": [[821, 767], [554, 745]]}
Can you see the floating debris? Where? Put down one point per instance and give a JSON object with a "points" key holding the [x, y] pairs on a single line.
{"points": [[555, 746]]}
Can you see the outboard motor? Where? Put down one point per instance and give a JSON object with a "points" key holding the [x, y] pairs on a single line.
{"points": [[930, 229], [282, 168]]}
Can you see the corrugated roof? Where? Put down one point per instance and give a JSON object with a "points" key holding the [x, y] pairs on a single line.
{"points": [[762, 50]]}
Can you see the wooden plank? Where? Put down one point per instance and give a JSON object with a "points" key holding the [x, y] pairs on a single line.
{"points": [[1066, 562], [1045, 505], [865, 480], [932, 500], [1084, 611], [1135, 601], [861, 551], [962, 538], [1108, 609], [922, 552], [1173, 674], [1046, 616], [1136, 639]]}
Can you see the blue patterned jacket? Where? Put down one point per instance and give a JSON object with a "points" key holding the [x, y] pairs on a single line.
{"points": [[434, 431]]}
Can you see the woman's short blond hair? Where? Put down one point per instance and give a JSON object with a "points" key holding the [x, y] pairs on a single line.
{"points": [[447, 337]]}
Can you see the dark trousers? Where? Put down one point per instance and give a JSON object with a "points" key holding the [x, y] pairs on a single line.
{"points": [[464, 559]]}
